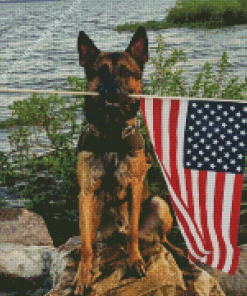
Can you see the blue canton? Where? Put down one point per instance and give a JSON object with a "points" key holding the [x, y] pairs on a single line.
{"points": [[215, 136]]}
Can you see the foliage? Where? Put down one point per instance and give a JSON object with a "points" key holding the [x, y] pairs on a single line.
{"points": [[51, 124], [197, 13]]}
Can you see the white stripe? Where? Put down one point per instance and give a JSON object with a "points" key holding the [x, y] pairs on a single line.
{"points": [[226, 218], [210, 189], [166, 107], [149, 118], [195, 196], [181, 126]]}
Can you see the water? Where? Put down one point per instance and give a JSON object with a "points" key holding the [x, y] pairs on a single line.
{"points": [[38, 42]]}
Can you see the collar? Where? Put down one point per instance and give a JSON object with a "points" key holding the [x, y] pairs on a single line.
{"points": [[126, 131]]}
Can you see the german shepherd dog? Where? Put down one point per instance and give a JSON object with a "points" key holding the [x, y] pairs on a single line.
{"points": [[112, 162]]}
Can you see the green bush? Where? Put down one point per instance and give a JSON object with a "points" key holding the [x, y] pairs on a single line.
{"points": [[197, 13]]}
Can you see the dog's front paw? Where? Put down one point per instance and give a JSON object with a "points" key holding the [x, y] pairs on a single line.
{"points": [[137, 265], [83, 277]]}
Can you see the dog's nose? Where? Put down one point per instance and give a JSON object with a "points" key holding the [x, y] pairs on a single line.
{"points": [[109, 90]]}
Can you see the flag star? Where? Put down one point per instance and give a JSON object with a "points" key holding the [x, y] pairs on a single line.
{"points": [[234, 149], [211, 123], [212, 165], [241, 144], [238, 114], [219, 107], [199, 164], [192, 116], [191, 127], [216, 129], [194, 158], [240, 156], [195, 146], [206, 159], [229, 131], [201, 152], [204, 128], [237, 126], [228, 143], [212, 112], [238, 168], [202, 141], [188, 163], [209, 135], [227, 155], [225, 167], [188, 151], [206, 105], [194, 105], [189, 140], [205, 117], [232, 161], [199, 111], [235, 138], [232, 108], [224, 124], [214, 153], [243, 120], [215, 141], [219, 160], [218, 118], [196, 134], [222, 136], [225, 113], [198, 122], [221, 148], [208, 147], [231, 119], [242, 133]]}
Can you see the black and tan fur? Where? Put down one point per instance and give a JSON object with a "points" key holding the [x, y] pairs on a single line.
{"points": [[112, 163]]}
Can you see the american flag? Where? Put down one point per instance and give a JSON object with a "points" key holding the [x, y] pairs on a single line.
{"points": [[200, 146]]}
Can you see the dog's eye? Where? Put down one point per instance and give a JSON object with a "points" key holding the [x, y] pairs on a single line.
{"points": [[103, 71], [123, 71]]}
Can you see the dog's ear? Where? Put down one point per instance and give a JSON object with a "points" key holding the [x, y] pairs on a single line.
{"points": [[138, 46], [88, 52]]}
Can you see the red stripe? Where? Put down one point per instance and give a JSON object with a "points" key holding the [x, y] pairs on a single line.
{"points": [[142, 104], [188, 180], [204, 218], [235, 217], [174, 111], [218, 203], [157, 126]]}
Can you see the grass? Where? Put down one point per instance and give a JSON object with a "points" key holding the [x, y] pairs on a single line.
{"points": [[198, 13]]}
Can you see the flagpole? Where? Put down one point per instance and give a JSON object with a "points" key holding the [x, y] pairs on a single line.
{"points": [[89, 93]]}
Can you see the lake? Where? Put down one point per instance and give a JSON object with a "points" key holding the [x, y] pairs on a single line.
{"points": [[38, 42]]}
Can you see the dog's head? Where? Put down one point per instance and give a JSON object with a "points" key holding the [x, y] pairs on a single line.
{"points": [[115, 76]]}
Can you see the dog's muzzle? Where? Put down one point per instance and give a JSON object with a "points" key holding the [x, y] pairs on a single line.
{"points": [[110, 93]]}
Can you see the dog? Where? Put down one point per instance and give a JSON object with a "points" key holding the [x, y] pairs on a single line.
{"points": [[112, 162]]}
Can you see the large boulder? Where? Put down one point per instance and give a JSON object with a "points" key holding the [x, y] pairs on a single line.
{"points": [[23, 227], [112, 278], [25, 269]]}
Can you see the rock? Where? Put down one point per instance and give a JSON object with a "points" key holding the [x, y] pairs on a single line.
{"points": [[23, 270], [233, 285], [23, 227], [112, 278]]}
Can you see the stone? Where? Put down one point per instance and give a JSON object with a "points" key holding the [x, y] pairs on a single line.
{"points": [[18, 225], [232, 285], [112, 278]]}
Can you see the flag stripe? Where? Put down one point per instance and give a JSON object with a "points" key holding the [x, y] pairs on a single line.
{"points": [[157, 125]]}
